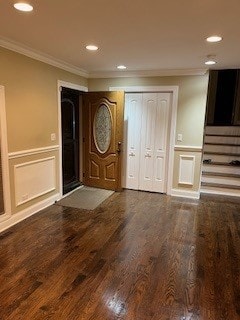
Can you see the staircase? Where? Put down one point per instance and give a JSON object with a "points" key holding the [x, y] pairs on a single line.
{"points": [[221, 147]]}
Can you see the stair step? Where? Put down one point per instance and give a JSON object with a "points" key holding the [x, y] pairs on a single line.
{"points": [[218, 185], [220, 174], [220, 191]]}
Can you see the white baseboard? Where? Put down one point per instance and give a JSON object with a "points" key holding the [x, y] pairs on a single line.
{"points": [[17, 217], [185, 193]]}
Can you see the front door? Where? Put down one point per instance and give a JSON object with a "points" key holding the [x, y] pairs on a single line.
{"points": [[70, 138], [103, 134]]}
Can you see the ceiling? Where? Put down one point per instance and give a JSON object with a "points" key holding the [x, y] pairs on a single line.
{"points": [[149, 37]]}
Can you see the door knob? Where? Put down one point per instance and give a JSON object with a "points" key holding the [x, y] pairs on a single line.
{"points": [[147, 155], [119, 147], [131, 154]]}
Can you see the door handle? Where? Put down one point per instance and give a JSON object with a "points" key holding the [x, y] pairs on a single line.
{"points": [[147, 155], [131, 154], [119, 147]]}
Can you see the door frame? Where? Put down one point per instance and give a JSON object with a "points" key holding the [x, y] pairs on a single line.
{"points": [[74, 86], [173, 120], [4, 157]]}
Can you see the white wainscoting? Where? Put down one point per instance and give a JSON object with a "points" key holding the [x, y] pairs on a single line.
{"points": [[34, 178], [186, 170]]}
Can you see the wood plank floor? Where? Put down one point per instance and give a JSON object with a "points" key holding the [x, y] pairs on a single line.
{"points": [[139, 256]]}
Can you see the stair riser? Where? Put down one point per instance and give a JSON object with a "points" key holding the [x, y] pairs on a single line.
{"points": [[227, 140], [220, 158], [222, 180], [221, 169], [224, 149], [221, 191], [223, 130]]}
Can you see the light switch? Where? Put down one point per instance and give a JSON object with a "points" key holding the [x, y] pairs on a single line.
{"points": [[179, 137]]}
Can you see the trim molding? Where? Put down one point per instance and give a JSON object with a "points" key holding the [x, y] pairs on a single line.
{"points": [[25, 164], [30, 152], [133, 89], [70, 85], [40, 56], [185, 193], [188, 148], [45, 58], [188, 176], [22, 215], [148, 73]]}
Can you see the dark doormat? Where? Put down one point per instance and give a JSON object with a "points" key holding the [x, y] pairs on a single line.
{"points": [[85, 198]]}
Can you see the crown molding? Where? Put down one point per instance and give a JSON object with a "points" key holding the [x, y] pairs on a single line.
{"points": [[148, 73], [40, 56], [37, 55]]}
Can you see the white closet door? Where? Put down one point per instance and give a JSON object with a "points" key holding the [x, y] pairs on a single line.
{"points": [[132, 129], [147, 141], [154, 142], [161, 143]]}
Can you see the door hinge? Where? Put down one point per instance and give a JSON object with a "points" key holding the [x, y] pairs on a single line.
{"points": [[83, 139], [83, 174]]}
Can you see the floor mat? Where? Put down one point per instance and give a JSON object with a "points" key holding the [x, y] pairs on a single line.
{"points": [[85, 198]]}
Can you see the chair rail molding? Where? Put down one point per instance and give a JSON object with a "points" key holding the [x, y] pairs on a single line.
{"points": [[29, 152]]}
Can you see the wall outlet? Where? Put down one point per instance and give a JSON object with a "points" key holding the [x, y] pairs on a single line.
{"points": [[53, 136], [179, 137]]}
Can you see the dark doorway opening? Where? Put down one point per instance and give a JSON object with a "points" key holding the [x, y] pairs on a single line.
{"points": [[70, 139]]}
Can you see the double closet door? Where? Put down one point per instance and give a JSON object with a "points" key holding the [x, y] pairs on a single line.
{"points": [[147, 127]]}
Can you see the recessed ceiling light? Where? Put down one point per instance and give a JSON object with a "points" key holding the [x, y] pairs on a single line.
{"points": [[91, 47], [214, 39], [23, 6], [210, 62], [121, 67]]}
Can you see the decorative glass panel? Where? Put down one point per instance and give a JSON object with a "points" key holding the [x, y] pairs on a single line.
{"points": [[102, 128]]}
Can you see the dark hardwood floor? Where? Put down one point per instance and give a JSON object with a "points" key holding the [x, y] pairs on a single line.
{"points": [[139, 256]]}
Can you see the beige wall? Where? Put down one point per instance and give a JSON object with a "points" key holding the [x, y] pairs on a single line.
{"points": [[191, 100], [31, 109], [190, 113], [31, 99]]}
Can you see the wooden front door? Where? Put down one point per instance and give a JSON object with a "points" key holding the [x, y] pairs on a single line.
{"points": [[103, 133]]}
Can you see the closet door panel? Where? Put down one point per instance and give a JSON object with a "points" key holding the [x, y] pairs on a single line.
{"points": [[132, 129], [147, 141], [161, 142]]}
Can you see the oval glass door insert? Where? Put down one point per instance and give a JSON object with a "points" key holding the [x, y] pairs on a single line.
{"points": [[102, 128]]}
